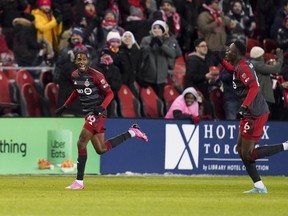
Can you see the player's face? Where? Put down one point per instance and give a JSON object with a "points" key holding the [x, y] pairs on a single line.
{"points": [[231, 53], [81, 62]]}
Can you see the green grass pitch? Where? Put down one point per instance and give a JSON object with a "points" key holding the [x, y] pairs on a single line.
{"points": [[141, 195]]}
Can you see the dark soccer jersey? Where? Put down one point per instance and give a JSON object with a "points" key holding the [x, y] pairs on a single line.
{"points": [[91, 88], [246, 85]]}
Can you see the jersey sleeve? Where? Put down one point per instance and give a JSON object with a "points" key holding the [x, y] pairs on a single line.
{"points": [[228, 67], [100, 80], [248, 78], [71, 98]]}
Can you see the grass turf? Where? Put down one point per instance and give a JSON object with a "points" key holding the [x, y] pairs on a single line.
{"points": [[141, 195]]}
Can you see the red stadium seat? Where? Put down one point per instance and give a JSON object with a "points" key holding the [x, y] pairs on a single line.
{"points": [[31, 105], [170, 94], [51, 96], [216, 97], [153, 107], [130, 106], [23, 76], [7, 103]]}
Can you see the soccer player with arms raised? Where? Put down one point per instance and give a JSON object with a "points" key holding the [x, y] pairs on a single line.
{"points": [[95, 94], [253, 114]]}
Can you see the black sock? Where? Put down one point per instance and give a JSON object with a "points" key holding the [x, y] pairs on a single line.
{"points": [[81, 162], [252, 171], [115, 141], [266, 151]]}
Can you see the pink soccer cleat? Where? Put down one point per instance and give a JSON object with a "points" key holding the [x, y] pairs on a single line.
{"points": [[138, 132], [75, 186]]}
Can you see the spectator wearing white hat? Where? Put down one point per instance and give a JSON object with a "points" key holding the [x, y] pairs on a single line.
{"points": [[156, 53], [264, 71], [131, 58]]}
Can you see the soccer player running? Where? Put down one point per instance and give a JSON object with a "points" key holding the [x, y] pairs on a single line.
{"points": [[95, 94], [253, 114]]}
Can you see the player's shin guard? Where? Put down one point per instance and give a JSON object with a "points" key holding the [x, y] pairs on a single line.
{"points": [[81, 163]]}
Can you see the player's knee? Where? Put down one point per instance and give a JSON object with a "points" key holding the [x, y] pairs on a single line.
{"points": [[101, 151], [81, 142]]}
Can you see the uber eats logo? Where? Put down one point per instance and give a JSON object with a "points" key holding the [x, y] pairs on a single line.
{"points": [[181, 146]]}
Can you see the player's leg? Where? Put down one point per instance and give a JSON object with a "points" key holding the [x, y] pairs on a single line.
{"points": [[98, 143], [250, 164], [267, 150], [239, 145], [83, 140], [102, 146], [251, 131]]}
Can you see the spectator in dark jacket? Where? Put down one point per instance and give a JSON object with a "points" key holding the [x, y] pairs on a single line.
{"points": [[113, 76], [278, 19], [188, 11], [11, 9], [156, 52], [197, 68], [264, 71], [231, 101], [282, 35], [130, 56]]}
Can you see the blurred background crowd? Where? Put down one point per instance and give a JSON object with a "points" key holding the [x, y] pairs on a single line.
{"points": [[151, 52]]}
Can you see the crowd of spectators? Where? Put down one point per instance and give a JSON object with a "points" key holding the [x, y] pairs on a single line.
{"points": [[138, 42]]}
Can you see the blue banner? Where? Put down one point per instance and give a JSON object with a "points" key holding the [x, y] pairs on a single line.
{"points": [[180, 147]]}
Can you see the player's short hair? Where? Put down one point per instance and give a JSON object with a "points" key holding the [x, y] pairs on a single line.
{"points": [[240, 47], [80, 49]]}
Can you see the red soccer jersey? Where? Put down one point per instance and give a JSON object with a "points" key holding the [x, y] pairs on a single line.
{"points": [[92, 89], [246, 85]]}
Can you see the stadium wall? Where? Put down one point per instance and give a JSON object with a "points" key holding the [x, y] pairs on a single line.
{"points": [[25, 140], [176, 147], [179, 147]]}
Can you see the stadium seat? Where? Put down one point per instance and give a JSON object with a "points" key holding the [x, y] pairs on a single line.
{"points": [[51, 96], [130, 106], [216, 97], [10, 73], [152, 105], [170, 94], [180, 60], [137, 89], [31, 104], [23, 76], [45, 78], [8, 107]]}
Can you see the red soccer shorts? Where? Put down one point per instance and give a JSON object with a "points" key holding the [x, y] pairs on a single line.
{"points": [[95, 123], [252, 129]]}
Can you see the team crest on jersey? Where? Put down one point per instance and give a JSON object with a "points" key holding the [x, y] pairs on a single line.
{"points": [[86, 83], [244, 76], [102, 81]]}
